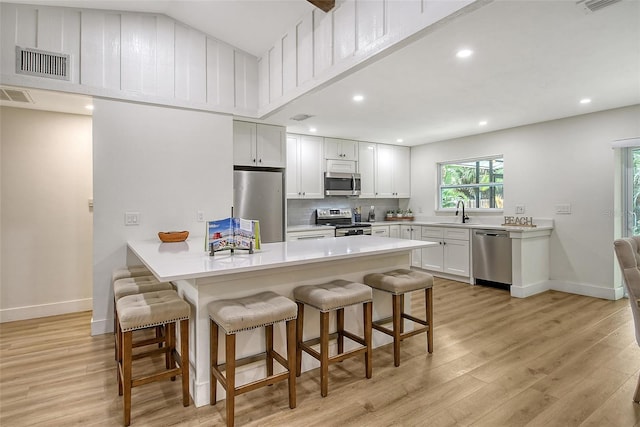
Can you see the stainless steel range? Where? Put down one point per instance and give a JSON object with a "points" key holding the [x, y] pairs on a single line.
{"points": [[342, 220]]}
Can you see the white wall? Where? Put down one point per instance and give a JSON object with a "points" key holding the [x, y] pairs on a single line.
{"points": [[561, 161], [133, 56], [46, 225], [164, 163]]}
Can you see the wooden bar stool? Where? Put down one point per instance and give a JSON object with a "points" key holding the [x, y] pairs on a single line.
{"points": [[148, 310], [397, 283], [242, 314], [131, 286], [327, 297]]}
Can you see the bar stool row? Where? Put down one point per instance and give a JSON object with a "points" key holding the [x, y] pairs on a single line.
{"points": [[264, 310]]}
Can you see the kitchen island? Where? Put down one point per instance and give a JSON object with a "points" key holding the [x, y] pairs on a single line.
{"points": [[278, 267]]}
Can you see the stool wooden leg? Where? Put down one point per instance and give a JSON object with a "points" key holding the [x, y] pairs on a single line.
{"points": [[299, 330], [291, 361], [401, 313], [368, 357], [126, 375], [397, 319], [184, 357], [268, 335], [340, 329], [213, 346], [324, 353], [428, 302], [119, 359], [170, 338], [231, 377]]}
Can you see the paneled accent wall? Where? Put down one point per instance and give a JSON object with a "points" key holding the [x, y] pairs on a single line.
{"points": [[323, 45], [132, 56]]}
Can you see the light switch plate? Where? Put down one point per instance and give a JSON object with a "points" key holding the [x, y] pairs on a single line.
{"points": [[520, 209], [563, 208], [132, 218], [200, 216]]}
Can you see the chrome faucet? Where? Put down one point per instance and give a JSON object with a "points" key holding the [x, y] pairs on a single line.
{"points": [[465, 218]]}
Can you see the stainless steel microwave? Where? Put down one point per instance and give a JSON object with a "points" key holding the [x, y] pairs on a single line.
{"points": [[342, 184]]}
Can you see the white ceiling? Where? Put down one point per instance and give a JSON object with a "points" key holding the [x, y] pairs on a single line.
{"points": [[533, 61]]}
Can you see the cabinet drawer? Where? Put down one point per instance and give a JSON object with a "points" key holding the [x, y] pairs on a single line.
{"points": [[456, 233], [432, 233], [309, 235], [380, 231]]}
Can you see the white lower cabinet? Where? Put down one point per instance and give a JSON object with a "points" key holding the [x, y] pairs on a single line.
{"points": [[309, 234], [413, 232], [394, 231], [451, 256]]}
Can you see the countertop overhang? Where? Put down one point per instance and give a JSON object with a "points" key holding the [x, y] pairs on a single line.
{"points": [[189, 260]]}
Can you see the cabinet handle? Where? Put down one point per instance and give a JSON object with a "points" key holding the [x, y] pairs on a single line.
{"points": [[260, 161], [254, 160], [304, 194]]}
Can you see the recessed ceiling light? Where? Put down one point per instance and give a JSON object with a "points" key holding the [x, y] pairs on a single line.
{"points": [[464, 53], [89, 107], [482, 123], [312, 129], [585, 101], [399, 140], [358, 98]]}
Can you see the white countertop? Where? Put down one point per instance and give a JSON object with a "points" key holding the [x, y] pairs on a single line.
{"points": [[189, 260]]}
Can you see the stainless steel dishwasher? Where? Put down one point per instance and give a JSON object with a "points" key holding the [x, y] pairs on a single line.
{"points": [[492, 256]]}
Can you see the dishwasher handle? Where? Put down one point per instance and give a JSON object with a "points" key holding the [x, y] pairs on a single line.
{"points": [[492, 233]]}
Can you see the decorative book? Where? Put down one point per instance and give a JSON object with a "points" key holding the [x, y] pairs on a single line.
{"points": [[232, 234]]}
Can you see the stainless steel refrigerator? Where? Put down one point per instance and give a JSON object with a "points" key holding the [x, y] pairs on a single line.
{"points": [[259, 194]]}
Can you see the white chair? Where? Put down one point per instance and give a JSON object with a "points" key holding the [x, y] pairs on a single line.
{"points": [[628, 253]]}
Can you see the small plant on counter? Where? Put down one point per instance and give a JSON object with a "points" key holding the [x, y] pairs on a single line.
{"points": [[389, 214]]}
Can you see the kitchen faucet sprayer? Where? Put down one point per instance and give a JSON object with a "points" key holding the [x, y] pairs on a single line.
{"points": [[465, 218]]}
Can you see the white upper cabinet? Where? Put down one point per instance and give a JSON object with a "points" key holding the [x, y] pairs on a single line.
{"points": [[340, 149], [256, 144], [367, 169], [393, 175], [305, 178]]}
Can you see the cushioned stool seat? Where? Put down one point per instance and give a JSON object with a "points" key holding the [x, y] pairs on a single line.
{"points": [[397, 283], [242, 314], [326, 297], [130, 271], [138, 285], [148, 310], [251, 312]]}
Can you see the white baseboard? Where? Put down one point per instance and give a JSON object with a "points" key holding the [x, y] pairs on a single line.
{"points": [[587, 290], [528, 290], [101, 327], [45, 310]]}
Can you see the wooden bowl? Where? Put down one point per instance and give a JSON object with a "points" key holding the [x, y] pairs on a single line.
{"points": [[173, 236]]}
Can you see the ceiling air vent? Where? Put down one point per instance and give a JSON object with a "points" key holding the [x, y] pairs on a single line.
{"points": [[43, 64], [15, 95], [594, 5], [300, 117]]}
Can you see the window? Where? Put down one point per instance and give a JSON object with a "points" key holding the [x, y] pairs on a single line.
{"points": [[631, 186], [478, 182]]}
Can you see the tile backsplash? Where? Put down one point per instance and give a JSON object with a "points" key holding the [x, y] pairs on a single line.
{"points": [[303, 212]]}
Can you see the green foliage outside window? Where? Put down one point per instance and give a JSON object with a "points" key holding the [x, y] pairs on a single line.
{"points": [[479, 183]]}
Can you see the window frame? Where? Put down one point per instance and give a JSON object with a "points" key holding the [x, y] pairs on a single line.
{"points": [[440, 187]]}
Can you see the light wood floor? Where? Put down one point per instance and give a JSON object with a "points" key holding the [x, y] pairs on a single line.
{"points": [[553, 359]]}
